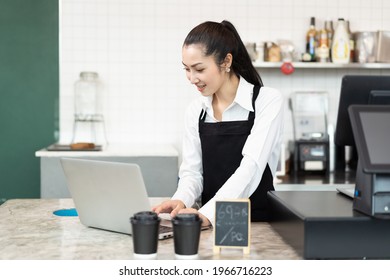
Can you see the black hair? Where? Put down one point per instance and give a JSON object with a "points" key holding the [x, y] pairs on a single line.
{"points": [[219, 39]]}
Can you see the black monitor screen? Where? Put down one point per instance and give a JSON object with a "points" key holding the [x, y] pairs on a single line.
{"points": [[356, 89], [371, 128]]}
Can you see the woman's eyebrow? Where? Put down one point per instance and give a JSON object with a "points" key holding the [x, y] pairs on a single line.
{"points": [[193, 65]]}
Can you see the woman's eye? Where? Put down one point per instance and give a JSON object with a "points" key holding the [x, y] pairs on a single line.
{"points": [[199, 70]]}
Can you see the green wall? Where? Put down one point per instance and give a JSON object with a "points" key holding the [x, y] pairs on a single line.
{"points": [[29, 90]]}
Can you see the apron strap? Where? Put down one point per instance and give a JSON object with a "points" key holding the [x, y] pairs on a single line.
{"points": [[256, 91]]}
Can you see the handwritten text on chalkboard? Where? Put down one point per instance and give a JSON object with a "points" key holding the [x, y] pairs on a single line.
{"points": [[232, 223]]}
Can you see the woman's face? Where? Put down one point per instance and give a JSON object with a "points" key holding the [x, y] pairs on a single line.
{"points": [[202, 71]]}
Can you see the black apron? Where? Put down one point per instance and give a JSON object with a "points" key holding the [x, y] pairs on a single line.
{"points": [[222, 144]]}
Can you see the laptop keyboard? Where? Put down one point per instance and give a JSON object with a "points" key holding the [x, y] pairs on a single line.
{"points": [[164, 229]]}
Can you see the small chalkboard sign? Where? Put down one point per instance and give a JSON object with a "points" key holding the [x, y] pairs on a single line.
{"points": [[232, 224]]}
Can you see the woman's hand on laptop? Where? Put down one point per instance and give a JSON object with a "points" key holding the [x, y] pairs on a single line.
{"points": [[175, 207], [169, 206], [205, 221]]}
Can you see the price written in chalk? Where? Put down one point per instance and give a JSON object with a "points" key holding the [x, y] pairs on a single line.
{"points": [[232, 223]]}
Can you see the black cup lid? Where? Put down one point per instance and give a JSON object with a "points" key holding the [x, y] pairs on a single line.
{"points": [[145, 216], [188, 217]]}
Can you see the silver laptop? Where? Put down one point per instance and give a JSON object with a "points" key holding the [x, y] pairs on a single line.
{"points": [[107, 194], [347, 191]]}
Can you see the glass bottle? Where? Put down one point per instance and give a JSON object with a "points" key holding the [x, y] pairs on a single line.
{"points": [[351, 42], [322, 52], [330, 31], [311, 38]]}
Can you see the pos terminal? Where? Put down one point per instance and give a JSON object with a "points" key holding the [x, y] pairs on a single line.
{"points": [[371, 130]]}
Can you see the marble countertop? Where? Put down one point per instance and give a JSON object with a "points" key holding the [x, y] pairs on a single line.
{"points": [[29, 230]]}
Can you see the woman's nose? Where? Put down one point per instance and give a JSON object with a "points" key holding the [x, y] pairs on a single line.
{"points": [[193, 78]]}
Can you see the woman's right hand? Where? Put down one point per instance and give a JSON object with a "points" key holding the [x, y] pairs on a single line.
{"points": [[169, 206]]}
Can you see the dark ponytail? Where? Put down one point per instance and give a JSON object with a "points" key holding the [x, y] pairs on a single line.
{"points": [[219, 39]]}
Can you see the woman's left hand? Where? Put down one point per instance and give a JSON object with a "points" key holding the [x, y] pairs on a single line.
{"points": [[205, 221]]}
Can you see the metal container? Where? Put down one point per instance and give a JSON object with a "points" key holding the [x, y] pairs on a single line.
{"points": [[383, 49]]}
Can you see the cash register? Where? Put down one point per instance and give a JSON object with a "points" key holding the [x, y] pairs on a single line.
{"points": [[362, 122], [371, 130]]}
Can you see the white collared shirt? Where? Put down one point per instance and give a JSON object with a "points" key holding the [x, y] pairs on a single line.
{"points": [[261, 147]]}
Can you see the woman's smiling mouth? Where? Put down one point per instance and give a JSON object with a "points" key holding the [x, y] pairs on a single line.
{"points": [[201, 87]]}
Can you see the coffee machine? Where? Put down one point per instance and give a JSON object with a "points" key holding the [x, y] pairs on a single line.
{"points": [[310, 146]]}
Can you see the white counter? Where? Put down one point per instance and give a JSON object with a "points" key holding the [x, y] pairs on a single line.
{"points": [[319, 187], [158, 163], [117, 150]]}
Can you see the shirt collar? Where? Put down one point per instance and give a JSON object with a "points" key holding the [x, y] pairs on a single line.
{"points": [[243, 96]]}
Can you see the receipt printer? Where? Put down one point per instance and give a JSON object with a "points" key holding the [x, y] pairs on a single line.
{"points": [[372, 193]]}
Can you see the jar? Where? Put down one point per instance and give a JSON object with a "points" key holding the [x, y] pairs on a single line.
{"points": [[88, 124], [87, 96]]}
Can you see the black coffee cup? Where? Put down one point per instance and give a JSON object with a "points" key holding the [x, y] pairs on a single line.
{"points": [[186, 234], [145, 227]]}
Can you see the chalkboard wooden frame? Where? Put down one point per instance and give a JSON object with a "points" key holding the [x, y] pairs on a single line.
{"points": [[236, 224]]}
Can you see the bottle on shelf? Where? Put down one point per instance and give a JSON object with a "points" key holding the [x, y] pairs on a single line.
{"points": [[341, 50], [311, 41], [330, 33], [351, 42], [322, 52]]}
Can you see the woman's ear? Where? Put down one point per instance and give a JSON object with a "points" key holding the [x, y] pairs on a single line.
{"points": [[227, 62]]}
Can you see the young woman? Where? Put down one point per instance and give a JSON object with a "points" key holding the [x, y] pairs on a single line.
{"points": [[233, 133]]}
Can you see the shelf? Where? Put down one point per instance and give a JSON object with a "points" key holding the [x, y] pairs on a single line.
{"points": [[326, 65]]}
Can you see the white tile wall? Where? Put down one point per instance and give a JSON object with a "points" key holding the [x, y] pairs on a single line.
{"points": [[135, 46]]}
